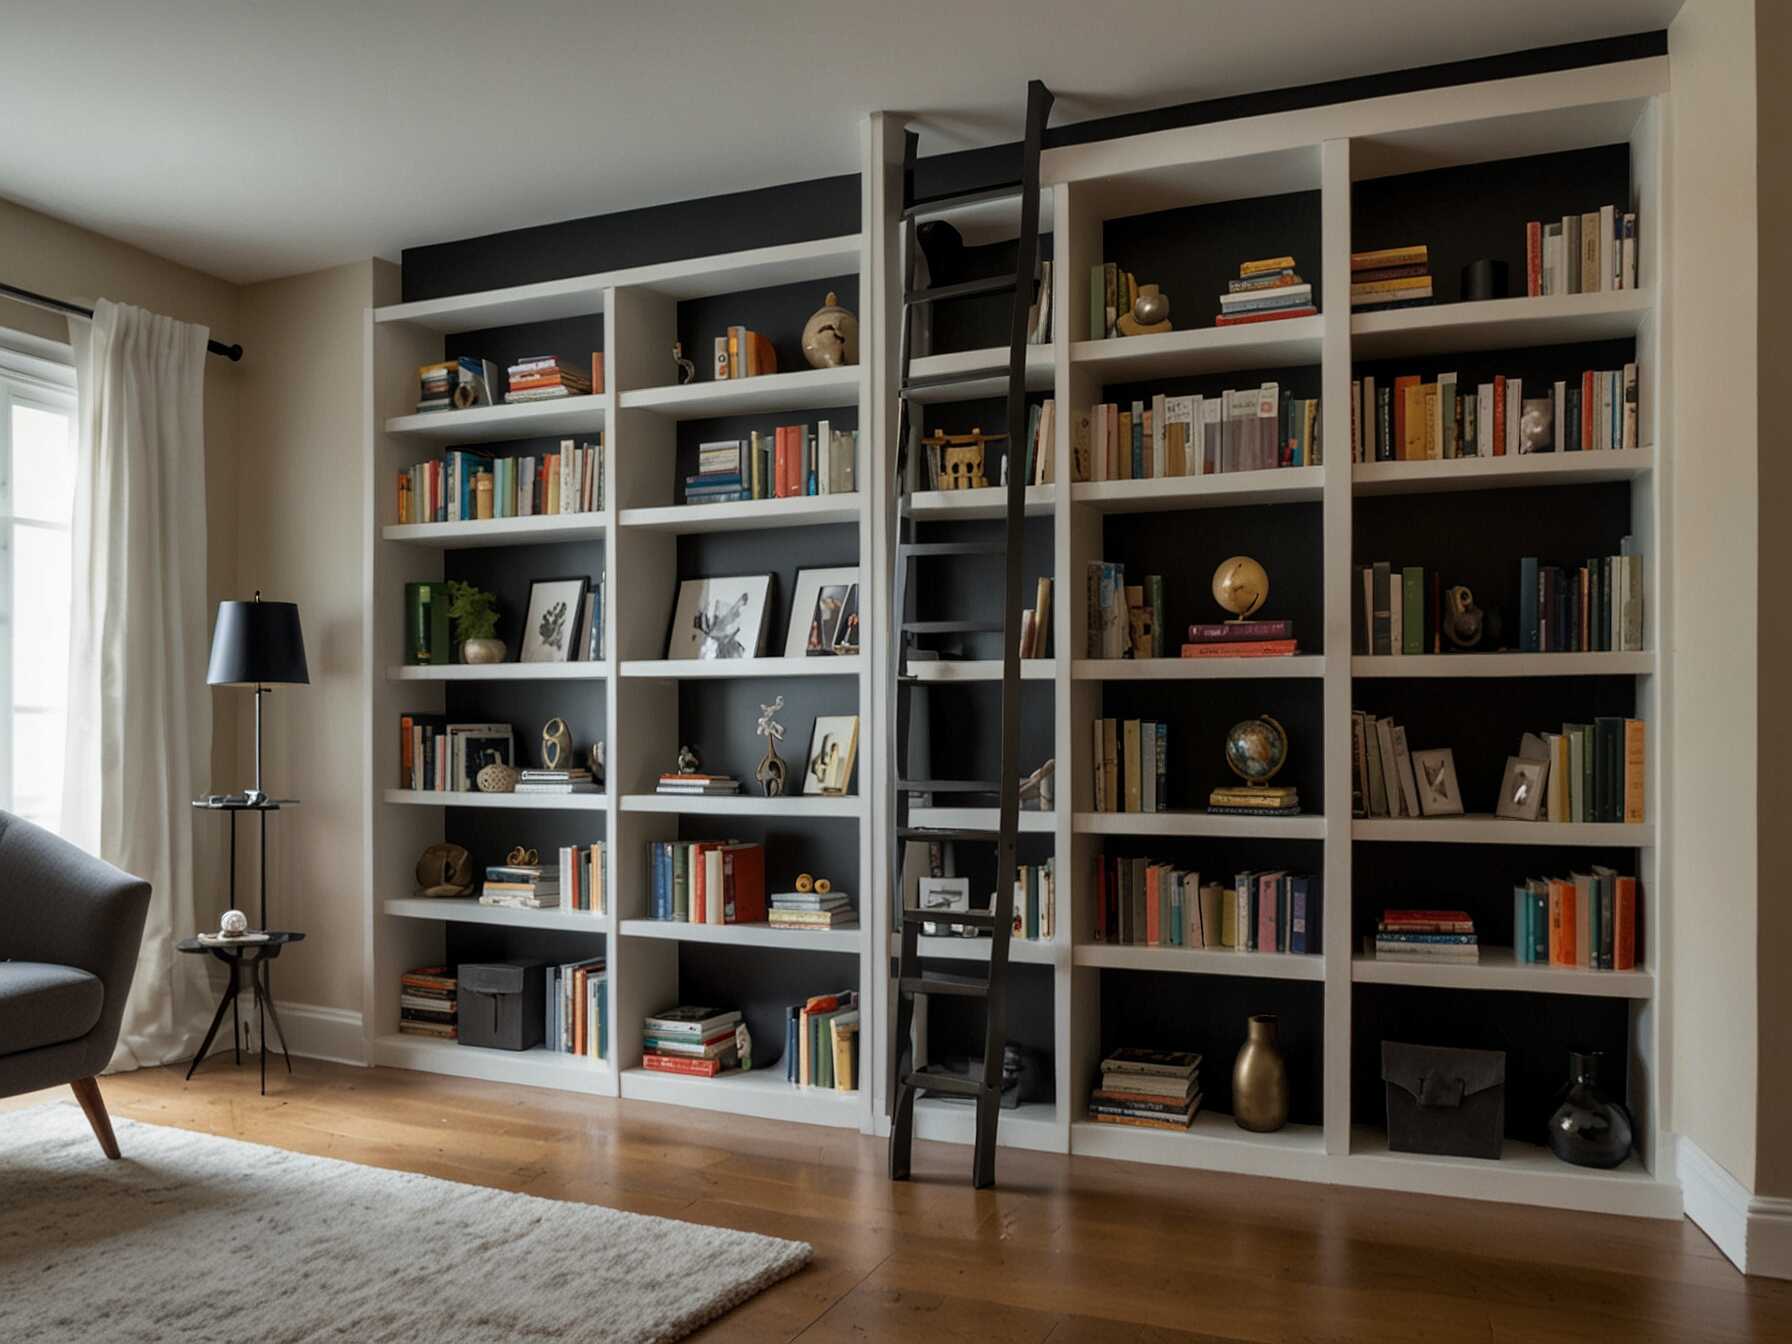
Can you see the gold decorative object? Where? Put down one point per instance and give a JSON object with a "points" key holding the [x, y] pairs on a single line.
{"points": [[445, 870], [805, 883], [1241, 586], [823, 886], [831, 336], [497, 777], [556, 745], [1150, 313], [1260, 1079], [520, 856]]}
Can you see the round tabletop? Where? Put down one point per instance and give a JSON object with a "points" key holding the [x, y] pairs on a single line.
{"points": [[272, 943]]}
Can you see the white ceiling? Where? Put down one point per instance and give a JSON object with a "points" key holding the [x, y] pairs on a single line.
{"points": [[267, 137]]}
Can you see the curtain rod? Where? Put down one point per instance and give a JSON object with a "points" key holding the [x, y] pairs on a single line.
{"points": [[230, 352]]}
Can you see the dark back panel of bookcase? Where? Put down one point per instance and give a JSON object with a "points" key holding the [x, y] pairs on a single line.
{"points": [[955, 1027], [777, 312], [762, 982]]}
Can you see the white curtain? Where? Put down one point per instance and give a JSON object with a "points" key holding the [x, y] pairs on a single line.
{"points": [[139, 712]]}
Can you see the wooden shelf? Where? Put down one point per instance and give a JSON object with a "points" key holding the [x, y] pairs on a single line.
{"points": [[1505, 665], [747, 935], [543, 802], [1500, 473], [496, 424], [768, 394], [1197, 669], [744, 805], [1285, 343], [1213, 1142], [538, 530], [1499, 968], [708, 669], [1040, 373], [500, 672], [1199, 823], [966, 505], [1201, 961], [467, 910], [746, 515], [539, 1067], [1500, 324], [756, 1092], [1033, 951], [1480, 829], [1229, 489]]}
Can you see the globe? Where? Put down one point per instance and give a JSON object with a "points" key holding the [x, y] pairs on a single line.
{"points": [[1240, 585], [1256, 749]]}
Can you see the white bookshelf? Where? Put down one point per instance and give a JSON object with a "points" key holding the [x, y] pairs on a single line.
{"points": [[1328, 150]]}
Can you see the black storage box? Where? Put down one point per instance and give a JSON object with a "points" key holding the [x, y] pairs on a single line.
{"points": [[502, 1004], [1443, 1101]]}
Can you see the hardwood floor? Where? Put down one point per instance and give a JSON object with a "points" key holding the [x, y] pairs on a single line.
{"points": [[1063, 1250]]}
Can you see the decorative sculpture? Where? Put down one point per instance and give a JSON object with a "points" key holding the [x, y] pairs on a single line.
{"points": [[831, 336], [687, 371], [772, 772], [1150, 313], [959, 459], [496, 776], [556, 745], [689, 763], [445, 870]]}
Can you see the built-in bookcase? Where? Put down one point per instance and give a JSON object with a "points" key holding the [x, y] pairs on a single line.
{"points": [[1460, 170]]}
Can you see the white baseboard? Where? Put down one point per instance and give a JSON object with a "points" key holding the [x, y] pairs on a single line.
{"points": [[1754, 1231], [312, 1030]]}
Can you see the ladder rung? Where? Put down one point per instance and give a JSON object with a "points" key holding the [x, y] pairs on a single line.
{"points": [[964, 289], [953, 627], [962, 986], [921, 549], [947, 786], [934, 205], [953, 1084], [930, 382], [971, 919], [929, 834]]}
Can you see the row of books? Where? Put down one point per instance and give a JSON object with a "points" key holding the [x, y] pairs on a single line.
{"points": [[1266, 290], [1585, 919], [1124, 619], [1390, 277], [575, 883], [576, 1021], [1426, 936], [465, 485], [1241, 639], [1042, 428], [811, 910], [1147, 1089], [1381, 765], [1035, 901], [1581, 254], [1036, 623], [1249, 430], [744, 353], [1130, 764], [1596, 608], [1414, 420], [1596, 771], [791, 461], [1398, 611], [1039, 312], [435, 755], [1112, 293], [1149, 903], [549, 378], [706, 881], [690, 1039], [428, 1004], [821, 1042]]}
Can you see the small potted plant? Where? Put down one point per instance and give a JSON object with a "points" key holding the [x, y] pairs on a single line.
{"points": [[475, 615]]}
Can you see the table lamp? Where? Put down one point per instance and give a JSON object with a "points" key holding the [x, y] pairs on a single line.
{"points": [[255, 643]]}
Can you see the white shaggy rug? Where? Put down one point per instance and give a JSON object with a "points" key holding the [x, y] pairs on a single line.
{"points": [[193, 1237]]}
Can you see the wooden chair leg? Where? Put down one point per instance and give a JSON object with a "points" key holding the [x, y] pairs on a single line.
{"points": [[87, 1092]]}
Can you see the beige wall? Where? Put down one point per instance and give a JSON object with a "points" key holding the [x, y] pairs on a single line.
{"points": [[49, 256]]}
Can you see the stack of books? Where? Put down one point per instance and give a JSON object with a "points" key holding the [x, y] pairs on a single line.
{"points": [[1124, 619], [1252, 429], [679, 782], [527, 886], [577, 1020], [426, 1003], [455, 384], [1390, 277], [1265, 291], [556, 781], [706, 881], [1413, 421], [811, 910], [1152, 1089], [1585, 919], [1426, 935], [821, 1042], [1254, 800], [582, 877], [1130, 759], [743, 353], [1581, 254], [1241, 639], [1144, 902], [548, 378], [690, 1040], [466, 484]]}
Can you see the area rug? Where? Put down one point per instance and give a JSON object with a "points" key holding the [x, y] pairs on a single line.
{"points": [[194, 1237]]}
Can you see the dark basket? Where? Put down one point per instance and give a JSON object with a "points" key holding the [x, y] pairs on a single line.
{"points": [[1442, 1101], [503, 1004]]}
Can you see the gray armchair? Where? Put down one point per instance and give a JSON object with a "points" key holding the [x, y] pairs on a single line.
{"points": [[70, 927]]}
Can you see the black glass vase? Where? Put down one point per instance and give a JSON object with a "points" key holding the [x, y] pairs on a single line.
{"points": [[1589, 1129]]}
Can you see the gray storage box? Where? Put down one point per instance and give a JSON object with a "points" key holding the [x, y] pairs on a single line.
{"points": [[502, 1003], [1443, 1101]]}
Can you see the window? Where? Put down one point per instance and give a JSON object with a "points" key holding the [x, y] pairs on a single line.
{"points": [[37, 487]]}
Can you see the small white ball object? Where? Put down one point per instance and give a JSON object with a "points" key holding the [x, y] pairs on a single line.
{"points": [[234, 924]]}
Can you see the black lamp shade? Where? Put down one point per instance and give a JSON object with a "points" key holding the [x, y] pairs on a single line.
{"points": [[257, 642]]}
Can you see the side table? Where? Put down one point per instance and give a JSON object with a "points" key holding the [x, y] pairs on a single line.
{"points": [[253, 957]]}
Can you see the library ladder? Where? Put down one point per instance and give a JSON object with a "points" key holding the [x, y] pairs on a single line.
{"points": [[907, 1080]]}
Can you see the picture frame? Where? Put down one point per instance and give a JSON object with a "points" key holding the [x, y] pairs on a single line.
{"points": [[833, 751], [556, 612], [816, 608], [943, 894], [1439, 793], [1522, 789], [846, 633], [720, 619]]}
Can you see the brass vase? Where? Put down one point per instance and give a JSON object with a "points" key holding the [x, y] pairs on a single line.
{"points": [[1260, 1079]]}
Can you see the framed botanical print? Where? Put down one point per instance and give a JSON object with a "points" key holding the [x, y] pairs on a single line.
{"points": [[720, 618], [556, 611]]}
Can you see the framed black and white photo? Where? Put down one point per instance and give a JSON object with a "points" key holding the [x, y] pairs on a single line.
{"points": [[720, 618], [1439, 795], [1521, 791], [818, 609], [944, 894], [833, 747], [556, 610]]}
